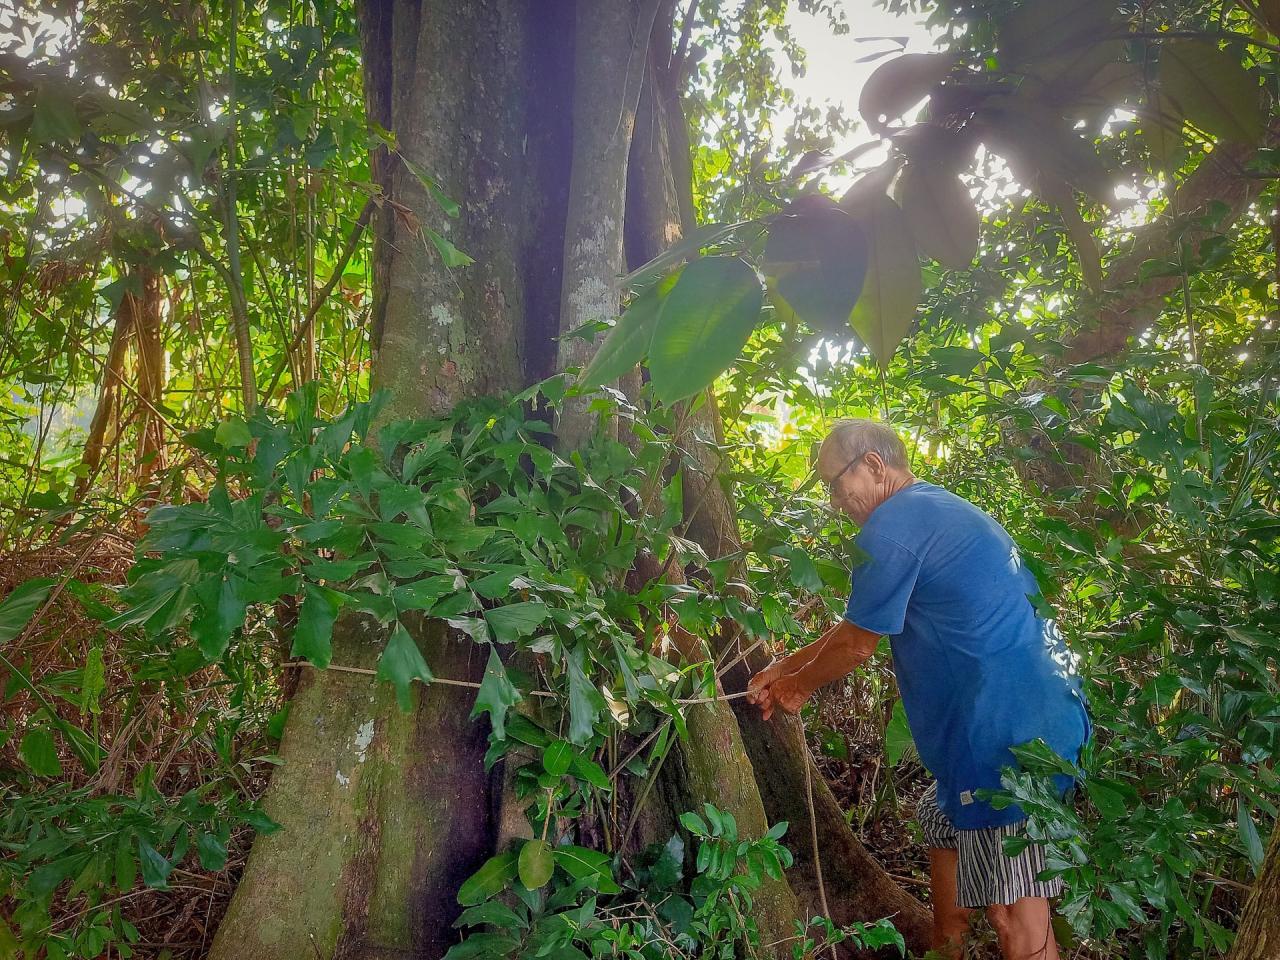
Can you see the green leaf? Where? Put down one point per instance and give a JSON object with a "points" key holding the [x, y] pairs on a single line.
{"points": [[693, 823], [816, 258], [93, 681], [155, 868], [212, 851], [451, 255], [585, 701], [233, 433], [703, 325], [40, 754], [313, 636], [884, 312], [590, 865], [536, 864], [897, 735], [54, 119], [1109, 801], [1210, 88], [496, 694], [584, 768], [628, 341], [493, 912], [557, 758], [19, 606], [223, 611], [491, 879], [940, 214], [896, 85], [514, 620], [1249, 835], [401, 662]]}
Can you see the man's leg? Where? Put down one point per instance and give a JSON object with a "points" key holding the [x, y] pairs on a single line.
{"points": [[1024, 929], [950, 921]]}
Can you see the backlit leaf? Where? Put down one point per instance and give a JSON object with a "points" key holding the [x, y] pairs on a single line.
{"points": [[54, 119], [1037, 29], [703, 325], [817, 258], [940, 214], [893, 286], [897, 735], [900, 83]]}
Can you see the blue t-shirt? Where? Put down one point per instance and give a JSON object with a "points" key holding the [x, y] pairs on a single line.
{"points": [[978, 670]]}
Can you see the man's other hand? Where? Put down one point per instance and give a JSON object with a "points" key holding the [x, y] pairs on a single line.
{"points": [[758, 685]]}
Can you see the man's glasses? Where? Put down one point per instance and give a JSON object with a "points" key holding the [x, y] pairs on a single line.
{"points": [[830, 484]]}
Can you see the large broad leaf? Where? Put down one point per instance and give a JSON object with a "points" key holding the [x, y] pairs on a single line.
{"points": [[703, 326], [492, 878], [1162, 133], [17, 608], [817, 258], [898, 84], [892, 289], [1210, 88], [1080, 233], [940, 214], [313, 636], [496, 694], [1040, 29], [628, 341], [401, 663], [1038, 144]]}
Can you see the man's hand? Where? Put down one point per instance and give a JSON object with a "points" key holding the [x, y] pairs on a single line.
{"points": [[774, 688], [787, 693]]}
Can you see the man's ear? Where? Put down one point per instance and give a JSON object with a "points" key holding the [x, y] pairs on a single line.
{"points": [[877, 465]]}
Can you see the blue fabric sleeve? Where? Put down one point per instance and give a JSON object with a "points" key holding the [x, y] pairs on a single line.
{"points": [[882, 585]]}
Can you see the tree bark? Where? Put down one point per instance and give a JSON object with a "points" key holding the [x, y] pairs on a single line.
{"points": [[612, 41], [384, 813], [1258, 937]]}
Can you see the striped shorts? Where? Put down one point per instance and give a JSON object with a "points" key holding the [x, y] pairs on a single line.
{"points": [[986, 875]]}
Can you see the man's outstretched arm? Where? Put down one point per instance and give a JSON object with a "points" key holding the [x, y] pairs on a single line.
{"points": [[840, 650]]}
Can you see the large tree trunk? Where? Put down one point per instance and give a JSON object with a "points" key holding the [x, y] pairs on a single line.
{"points": [[1258, 937], [383, 813]]}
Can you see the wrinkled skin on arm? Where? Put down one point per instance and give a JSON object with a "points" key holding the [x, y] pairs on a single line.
{"points": [[787, 683]]}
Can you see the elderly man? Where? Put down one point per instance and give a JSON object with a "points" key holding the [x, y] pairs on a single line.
{"points": [[978, 671]]}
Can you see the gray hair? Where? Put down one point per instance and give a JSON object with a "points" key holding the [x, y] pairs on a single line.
{"points": [[857, 438]]}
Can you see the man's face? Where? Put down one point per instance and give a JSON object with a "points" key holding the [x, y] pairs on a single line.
{"points": [[854, 490]]}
